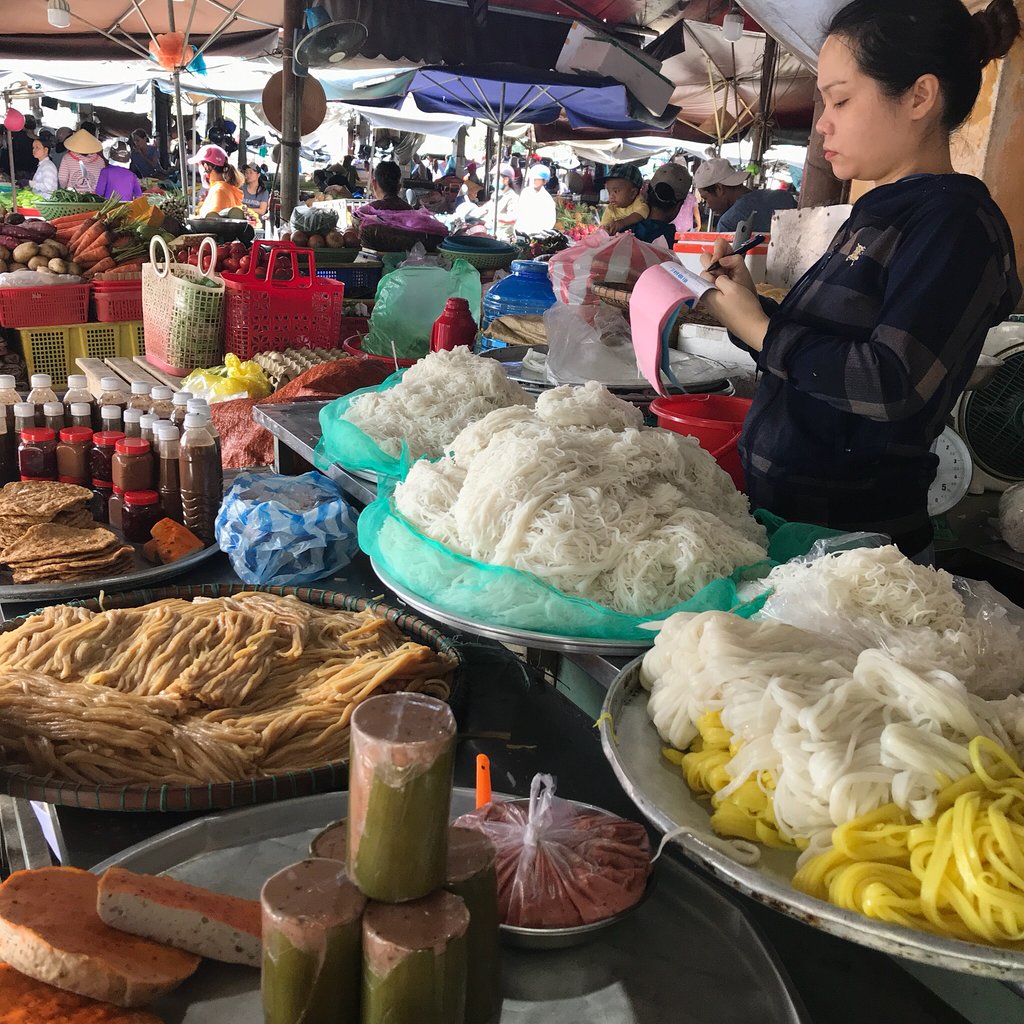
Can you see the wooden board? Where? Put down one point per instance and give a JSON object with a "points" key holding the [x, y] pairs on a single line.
{"points": [[131, 371], [165, 378], [95, 370]]}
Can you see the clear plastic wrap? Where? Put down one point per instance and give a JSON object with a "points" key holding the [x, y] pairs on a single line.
{"points": [[1011, 516], [561, 864], [286, 529], [589, 342]]}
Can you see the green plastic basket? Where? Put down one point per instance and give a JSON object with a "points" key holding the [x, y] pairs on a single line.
{"points": [[50, 211]]}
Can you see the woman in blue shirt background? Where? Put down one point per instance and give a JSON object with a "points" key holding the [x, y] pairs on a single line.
{"points": [[865, 357]]}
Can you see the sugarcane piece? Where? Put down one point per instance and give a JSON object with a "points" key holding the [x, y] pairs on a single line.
{"points": [[414, 961], [312, 945], [400, 787], [473, 877], [332, 842]]}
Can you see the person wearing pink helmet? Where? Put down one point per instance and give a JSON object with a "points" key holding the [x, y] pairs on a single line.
{"points": [[225, 182]]}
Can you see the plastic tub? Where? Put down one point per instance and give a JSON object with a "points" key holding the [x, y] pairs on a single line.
{"points": [[714, 420]]}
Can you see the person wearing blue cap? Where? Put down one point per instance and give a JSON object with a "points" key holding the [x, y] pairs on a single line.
{"points": [[626, 207], [537, 212]]}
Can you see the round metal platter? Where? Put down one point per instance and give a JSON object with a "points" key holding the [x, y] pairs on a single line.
{"points": [[633, 747], [510, 635], [143, 575]]}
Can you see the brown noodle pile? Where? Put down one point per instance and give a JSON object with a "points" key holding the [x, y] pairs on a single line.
{"points": [[211, 690]]}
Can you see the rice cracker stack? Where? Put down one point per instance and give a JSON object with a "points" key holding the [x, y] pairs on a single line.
{"points": [[53, 552], [27, 503]]}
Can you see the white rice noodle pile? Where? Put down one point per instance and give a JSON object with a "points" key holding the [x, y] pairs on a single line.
{"points": [[841, 733], [579, 493], [434, 400], [876, 597]]}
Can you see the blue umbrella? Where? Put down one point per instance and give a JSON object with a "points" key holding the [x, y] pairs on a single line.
{"points": [[504, 94]]}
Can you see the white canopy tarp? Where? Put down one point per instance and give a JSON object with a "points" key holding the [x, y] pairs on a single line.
{"points": [[799, 25]]}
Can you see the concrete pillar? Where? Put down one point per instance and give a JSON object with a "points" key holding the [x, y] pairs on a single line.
{"points": [[819, 186]]}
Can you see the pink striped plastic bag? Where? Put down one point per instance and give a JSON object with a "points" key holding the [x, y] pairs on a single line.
{"points": [[617, 259]]}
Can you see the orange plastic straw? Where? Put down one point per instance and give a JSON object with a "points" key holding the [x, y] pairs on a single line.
{"points": [[483, 780]]}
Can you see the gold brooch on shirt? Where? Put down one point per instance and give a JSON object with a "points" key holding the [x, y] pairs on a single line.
{"points": [[856, 254]]}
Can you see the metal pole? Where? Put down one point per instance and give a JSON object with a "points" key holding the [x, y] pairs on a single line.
{"points": [[243, 138], [498, 150], [10, 155], [291, 93], [182, 170]]}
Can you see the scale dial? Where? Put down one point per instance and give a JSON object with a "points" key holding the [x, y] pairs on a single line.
{"points": [[953, 477]]}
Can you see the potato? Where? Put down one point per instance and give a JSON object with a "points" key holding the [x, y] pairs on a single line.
{"points": [[300, 238], [25, 252], [316, 241], [58, 266], [3, 266], [5, 253], [36, 262], [45, 270], [74, 268], [49, 250]]}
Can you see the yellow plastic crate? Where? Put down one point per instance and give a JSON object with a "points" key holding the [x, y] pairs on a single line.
{"points": [[53, 350]]}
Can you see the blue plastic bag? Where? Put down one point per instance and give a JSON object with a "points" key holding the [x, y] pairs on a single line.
{"points": [[286, 529]]}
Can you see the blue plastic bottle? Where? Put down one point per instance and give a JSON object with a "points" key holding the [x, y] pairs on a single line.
{"points": [[526, 291]]}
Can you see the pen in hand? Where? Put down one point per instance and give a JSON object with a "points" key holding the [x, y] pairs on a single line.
{"points": [[755, 240]]}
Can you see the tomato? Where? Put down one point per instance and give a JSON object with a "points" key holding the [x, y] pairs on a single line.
{"points": [[243, 264]]}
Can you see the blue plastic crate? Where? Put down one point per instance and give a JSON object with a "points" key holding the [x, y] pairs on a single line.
{"points": [[360, 279]]}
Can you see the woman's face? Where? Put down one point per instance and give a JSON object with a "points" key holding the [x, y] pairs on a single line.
{"points": [[867, 135], [39, 151], [251, 176]]}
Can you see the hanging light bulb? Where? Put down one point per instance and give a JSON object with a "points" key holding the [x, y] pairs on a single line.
{"points": [[732, 26], [58, 13]]}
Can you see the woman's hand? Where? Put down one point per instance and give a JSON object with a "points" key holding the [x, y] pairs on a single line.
{"points": [[737, 309], [732, 267]]}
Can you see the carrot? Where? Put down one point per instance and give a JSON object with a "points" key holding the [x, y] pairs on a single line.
{"points": [[97, 233], [131, 265], [103, 265], [86, 225], [93, 255], [72, 218]]}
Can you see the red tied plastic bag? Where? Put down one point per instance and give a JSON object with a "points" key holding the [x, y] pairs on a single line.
{"points": [[619, 258], [560, 864]]}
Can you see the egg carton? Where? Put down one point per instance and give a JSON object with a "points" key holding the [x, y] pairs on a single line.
{"points": [[283, 367]]}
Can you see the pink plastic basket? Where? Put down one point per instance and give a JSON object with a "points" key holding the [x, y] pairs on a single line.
{"points": [[115, 301], [45, 306]]}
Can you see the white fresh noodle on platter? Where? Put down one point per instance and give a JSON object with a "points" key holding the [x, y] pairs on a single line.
{"points": [[581, 494]]}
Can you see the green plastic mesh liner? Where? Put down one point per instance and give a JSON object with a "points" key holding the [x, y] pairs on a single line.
{"points": [[345, 443], [513, 599]]}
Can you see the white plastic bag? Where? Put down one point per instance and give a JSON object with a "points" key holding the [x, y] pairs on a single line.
{"points": [[1011, 516], [589, 342]]}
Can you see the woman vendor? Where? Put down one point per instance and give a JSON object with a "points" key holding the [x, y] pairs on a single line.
{"points": [[81, 166], [867, 354], [386, 181], [225, 191], [255, 194]]}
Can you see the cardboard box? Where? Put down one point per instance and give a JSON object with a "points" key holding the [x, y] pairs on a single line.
{"points": [[588, 54]]}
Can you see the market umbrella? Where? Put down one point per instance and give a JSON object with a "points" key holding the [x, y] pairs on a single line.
{"points": [[504, 94]]}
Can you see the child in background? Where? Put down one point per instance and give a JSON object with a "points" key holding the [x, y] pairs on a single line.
{"points": [[658, 228], [115, 179], [626, 206]]}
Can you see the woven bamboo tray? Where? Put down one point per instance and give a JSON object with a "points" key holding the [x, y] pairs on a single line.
{"points": [[612, 293], [257, 790]]}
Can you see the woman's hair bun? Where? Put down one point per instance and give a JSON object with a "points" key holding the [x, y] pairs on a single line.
{"points": [[996, 29]]}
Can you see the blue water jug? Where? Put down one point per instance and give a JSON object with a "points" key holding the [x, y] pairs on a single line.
{"points": [[526, 291]]}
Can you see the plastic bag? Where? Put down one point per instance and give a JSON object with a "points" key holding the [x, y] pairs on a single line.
{"points": [[234, 379], [601, 257], [498, 595], [344, 443], [286, 529], [314, 220], [410, 299], [1011, 516], [589, 342], [561, 864]]}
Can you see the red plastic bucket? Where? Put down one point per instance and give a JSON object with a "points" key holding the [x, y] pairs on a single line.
{"points": [[714, 420]]}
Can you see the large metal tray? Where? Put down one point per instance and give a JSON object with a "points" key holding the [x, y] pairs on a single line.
{"points": [[687, 944], [143, 575], [510, 635], [632, 745]]}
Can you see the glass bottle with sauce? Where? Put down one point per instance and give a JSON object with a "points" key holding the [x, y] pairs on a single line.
{"points": [[132, 465], [202, 482], [139, 514], [112, 393], [146, 426], [41, 393], [163, 402], [104, 446], [9, 398], [169, 483], [132, 423], [179, 407], [80, 415], [74, 456], [78, 393], [37, 454], [8, 453], [140, 396], [53, 416], [110, 419], [24, 416], [115, 508]]}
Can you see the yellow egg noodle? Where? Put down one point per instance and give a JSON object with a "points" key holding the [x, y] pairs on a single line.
{"points": [[212, 690], [578, 492], [959, 874], [435, 399]]}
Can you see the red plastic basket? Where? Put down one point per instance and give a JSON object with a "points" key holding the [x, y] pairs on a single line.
{"points": [[263, 314], [115, 301], [45, 306]]}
